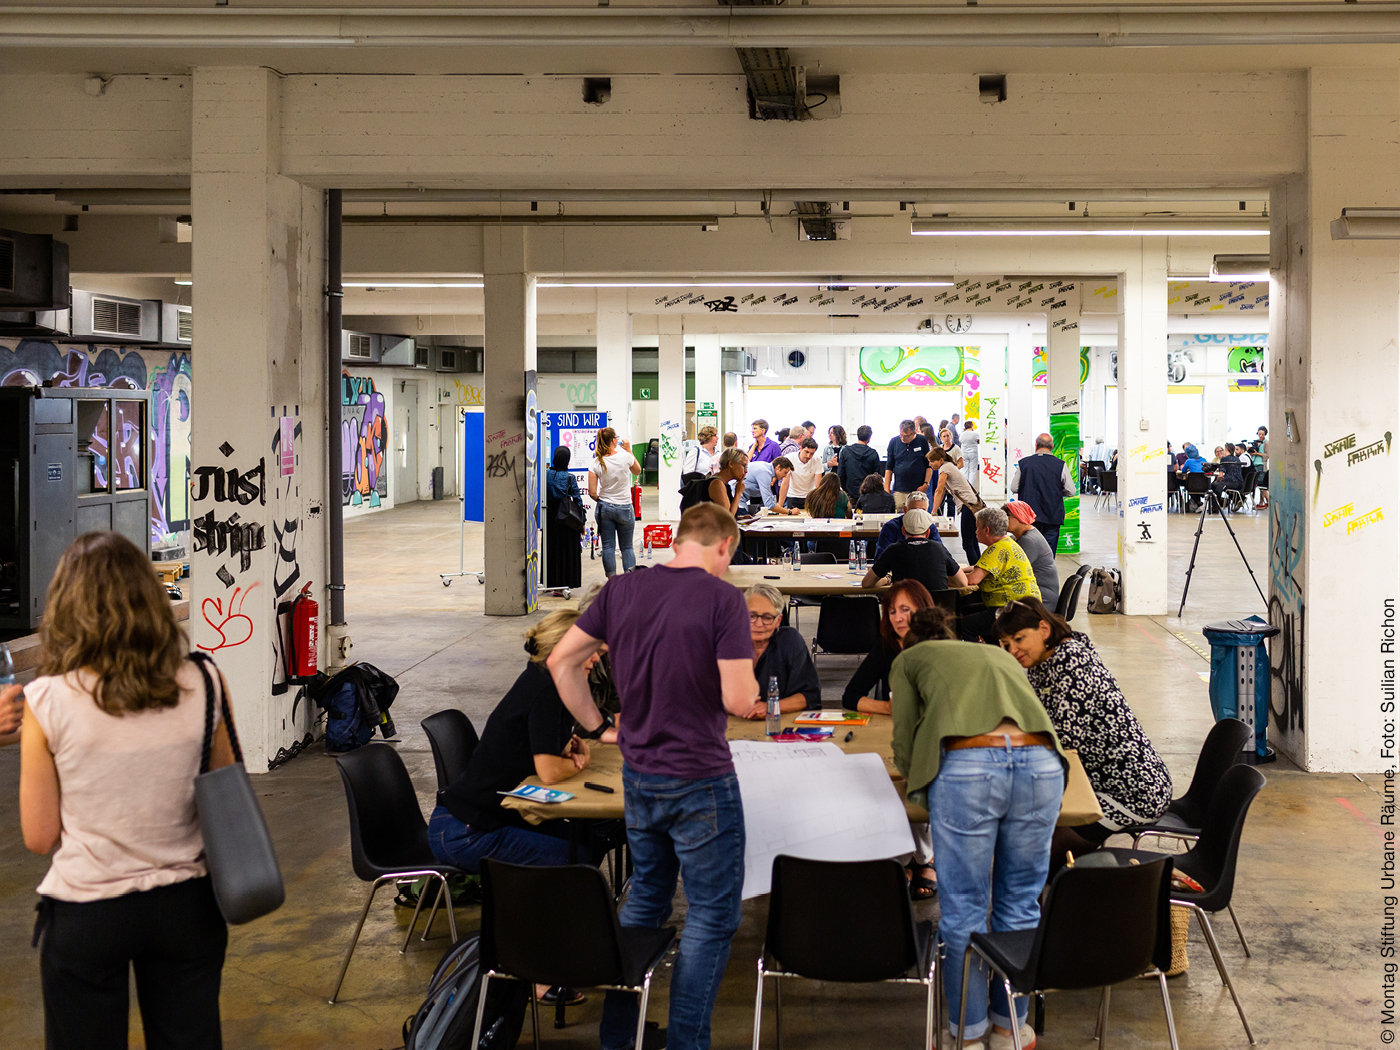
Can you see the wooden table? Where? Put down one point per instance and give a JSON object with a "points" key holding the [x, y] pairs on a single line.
{"points": [[1079, 805], [808, 582]]}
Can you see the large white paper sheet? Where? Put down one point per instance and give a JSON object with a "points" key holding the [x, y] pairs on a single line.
{"points": [[816, 802]]}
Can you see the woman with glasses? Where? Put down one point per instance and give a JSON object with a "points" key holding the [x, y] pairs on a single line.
{"points": [[780, 652], [1091, 715]]}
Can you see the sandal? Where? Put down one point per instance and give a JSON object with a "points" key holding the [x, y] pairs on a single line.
{"points": [[921, 887]]}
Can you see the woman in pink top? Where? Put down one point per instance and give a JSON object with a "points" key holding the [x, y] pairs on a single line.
{"points": [[109, 749]]}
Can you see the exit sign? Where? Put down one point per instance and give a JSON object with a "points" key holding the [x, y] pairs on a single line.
{"points": [[707, 408]]}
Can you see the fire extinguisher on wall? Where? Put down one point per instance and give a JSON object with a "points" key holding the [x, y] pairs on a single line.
{"points": [[305, 641]]}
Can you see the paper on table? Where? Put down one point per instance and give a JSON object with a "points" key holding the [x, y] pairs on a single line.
{"points": [[813, 801]]}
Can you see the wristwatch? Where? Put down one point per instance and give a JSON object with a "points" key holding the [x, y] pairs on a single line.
{"points": [[594, 734]]}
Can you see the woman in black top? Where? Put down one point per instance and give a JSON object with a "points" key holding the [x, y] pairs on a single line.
{"points": [[873, 498], [781, 653], [869, 688], [563, 549]]}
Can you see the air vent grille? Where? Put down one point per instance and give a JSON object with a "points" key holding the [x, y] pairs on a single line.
{"points": [[421, 357], [359, 346], [184, 326], [449, 360], [111, 317], [7, 264]]}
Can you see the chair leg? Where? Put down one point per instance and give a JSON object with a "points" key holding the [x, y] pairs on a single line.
{"points": [[354, 939], [1167, 1006], [778, 1011], [534, 1015], [758, 1007], [1039, 1023], [417, 910], [480, 1009], [1011, 1005], [1224, 971], [642, 1010], [930, 1016], [1243, 943], [1103, 1016], [962, 1006]]}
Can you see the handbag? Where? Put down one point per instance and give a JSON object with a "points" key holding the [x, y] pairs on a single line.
{"points": [[237, 847], [570, 513]]}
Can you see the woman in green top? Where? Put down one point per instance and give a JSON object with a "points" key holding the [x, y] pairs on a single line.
{"points": [[827, 500], [977, 748]]}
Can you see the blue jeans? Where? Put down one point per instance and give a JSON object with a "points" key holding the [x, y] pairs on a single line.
{"points": [[991, 811], [694, 828], [615, 523], [456, 843]]}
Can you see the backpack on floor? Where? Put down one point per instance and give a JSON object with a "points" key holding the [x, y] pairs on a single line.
{"points": [[356, 700], [1103, 591], [448, 1014], [695, 488]]}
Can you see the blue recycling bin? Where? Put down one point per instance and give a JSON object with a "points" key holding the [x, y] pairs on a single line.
{"points": [[1239, 678]]}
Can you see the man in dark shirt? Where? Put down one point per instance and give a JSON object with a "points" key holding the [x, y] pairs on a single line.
{"points": [[679, 643], [1042, 480], [892, 531], [917, 557], [906, 468], [857, 462]]}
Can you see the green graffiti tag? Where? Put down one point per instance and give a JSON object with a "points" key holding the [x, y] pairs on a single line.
{"points": [[1064, 430], [1246, 359], [892, 366]]}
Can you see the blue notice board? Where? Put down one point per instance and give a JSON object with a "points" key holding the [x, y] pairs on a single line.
{"points": [[474, 466], [576, 430]]}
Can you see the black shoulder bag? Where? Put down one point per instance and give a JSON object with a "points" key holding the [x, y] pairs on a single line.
{"points": [[237, 847]]}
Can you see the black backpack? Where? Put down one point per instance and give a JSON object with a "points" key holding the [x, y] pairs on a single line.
{"points": [[695, 488], [448, 1014], [356, 700]]}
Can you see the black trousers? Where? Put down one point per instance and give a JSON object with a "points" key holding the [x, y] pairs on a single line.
{"points": [[1051, 534], [175, 938], [969, 537]]}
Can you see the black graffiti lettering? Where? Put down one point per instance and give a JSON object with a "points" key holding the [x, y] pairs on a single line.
{"points": [[233, 486], [725, 305], [286, 573], [1286, 664], [230, 536], [504, 465]]}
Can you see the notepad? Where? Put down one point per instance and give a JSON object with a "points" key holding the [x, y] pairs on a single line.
{"points": [[828, 718], [531, 793]]}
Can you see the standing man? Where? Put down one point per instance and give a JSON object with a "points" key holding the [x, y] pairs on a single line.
{"points": [[906, 468], [857, 462], [798, 485], [793, 441], [1042, 480], [764, 449], [680, 794]]}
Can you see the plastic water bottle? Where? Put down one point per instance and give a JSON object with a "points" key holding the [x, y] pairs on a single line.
{"points": [[7, 666], [646, 542], [851, 558], [796, 557], [860, 557], [774, 722]]}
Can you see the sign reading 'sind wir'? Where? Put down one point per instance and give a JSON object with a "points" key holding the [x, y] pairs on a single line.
{"points": [[578, 419]]}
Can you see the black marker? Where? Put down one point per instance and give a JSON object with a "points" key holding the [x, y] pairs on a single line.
{"points": [[599, 787], [849, 737]]}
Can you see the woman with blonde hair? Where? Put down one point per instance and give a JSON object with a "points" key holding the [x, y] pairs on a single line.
{"points": [[610, 487], [112, 739]]}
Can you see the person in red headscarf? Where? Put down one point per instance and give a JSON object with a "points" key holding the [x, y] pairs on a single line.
{"points": [[1019, 521]]}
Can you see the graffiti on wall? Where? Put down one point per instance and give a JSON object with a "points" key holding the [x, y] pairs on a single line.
{"points": [[1064, 431], [971, 383], [1040, 367], [286, 526], [363, 438], [885, 367], [1286, 608], [1246, 359]]}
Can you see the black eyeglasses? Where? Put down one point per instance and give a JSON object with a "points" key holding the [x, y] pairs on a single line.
{"points": [[766, 619]]}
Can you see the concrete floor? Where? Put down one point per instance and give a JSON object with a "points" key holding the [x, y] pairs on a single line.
{"points": [[1308, 868]]}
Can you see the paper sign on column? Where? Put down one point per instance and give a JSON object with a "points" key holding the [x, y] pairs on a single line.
{"points": [[815, 802]]}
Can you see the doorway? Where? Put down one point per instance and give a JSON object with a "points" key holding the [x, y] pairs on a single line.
{"points": [[405, 454]]}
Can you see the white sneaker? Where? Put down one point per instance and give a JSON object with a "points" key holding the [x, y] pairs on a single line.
{"points": [[997, 1041]]}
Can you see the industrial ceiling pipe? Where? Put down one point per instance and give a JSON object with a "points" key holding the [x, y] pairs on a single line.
{"points": [[335, 510]]}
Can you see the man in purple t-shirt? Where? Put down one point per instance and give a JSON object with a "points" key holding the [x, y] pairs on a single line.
{"points": [[682, 657]]}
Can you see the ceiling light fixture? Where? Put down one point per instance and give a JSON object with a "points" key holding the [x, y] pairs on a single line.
{"points": [[1239, 268], [412, 284], [1096, 227], [745, 284], [184, 284], [1367, 224]]}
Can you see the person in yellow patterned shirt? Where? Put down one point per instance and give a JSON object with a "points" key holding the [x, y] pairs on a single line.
{"points": [[1003, 573]]}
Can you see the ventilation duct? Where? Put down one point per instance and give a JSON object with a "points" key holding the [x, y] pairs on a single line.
{"points": [[176, 323], [96, 315], [739, 363], [33, 272]]}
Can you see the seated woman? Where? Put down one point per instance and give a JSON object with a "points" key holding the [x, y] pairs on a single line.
{"points": [[873, 498], [529, 733], [828, 500], [1002, 574], [1092, 716], [975, 747], [780, 652]]}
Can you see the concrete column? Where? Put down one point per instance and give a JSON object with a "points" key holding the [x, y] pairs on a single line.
{"points": [[258, 484], [1062, 377], [1020, 348], [1213, 364], [670, 393], [988, 410], [709, 382], [852, 394], [1334, 320], [1142, 431], [615, 360], [511, 535]]}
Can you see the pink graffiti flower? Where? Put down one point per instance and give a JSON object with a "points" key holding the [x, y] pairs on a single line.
{"points": [[973, 383]]}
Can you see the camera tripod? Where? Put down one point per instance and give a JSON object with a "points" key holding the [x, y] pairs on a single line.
{"points": [[1206, 501]]}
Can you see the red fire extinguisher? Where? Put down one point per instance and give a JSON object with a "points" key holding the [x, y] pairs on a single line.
{"points": [[305, 635]]}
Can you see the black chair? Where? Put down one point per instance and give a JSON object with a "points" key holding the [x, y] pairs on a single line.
{"points": [[1174, 490], [1211, 862], [1182, 821], [1247, 487], [453, 738], [1198, 485], [1068, 602], [872, 938], [847, 624], [798, 601], [558, 926], [1073, 947], [388, 837], [1108, 486]]}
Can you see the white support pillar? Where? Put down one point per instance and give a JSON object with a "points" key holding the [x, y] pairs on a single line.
{"points": [[709, 382], [615, 360], [1334, 481], [511, 534], [259, 274], [1020, 349], [988, 410], [852, 394], [1142, 431], [670, 393], [1062, 379]]}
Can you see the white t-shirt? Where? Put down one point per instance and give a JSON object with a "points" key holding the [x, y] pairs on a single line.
{"points": [[614, 476], [699, 459], [804, 476]]}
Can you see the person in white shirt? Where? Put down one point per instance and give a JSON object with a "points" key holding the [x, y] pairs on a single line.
{"points": [[701, 459], [806, 472], [970, 441], [610, 487]]}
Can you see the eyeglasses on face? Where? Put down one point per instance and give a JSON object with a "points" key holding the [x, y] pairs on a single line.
{"points": [[767, 619]]}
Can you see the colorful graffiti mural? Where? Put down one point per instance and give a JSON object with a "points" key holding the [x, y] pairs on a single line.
{"points": [[1040, 367], [1246, 359], [364, 433], [1064, 430], [885, 367]]}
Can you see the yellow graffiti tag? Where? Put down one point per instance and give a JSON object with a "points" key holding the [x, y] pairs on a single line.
{"points": [[1369, 518], [1154, 453], [1333, 516], [1138, 452], [468, 394]]}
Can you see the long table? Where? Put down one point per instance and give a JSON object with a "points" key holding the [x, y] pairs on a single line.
{"points": [[605, 768], [808, 582]]}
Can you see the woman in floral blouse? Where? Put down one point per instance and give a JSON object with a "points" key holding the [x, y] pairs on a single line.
{"points": [[1092, 716]]}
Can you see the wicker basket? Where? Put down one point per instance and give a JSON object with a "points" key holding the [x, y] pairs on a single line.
{"points": [[1181, 926]]}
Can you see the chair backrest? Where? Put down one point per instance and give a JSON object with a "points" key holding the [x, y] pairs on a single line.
{"points": [[1108, 481], [1212, 859], [866, 927], [453, 738], [818, 558], [1223, 748], [1068, 604], [387, 831], [1078, 946], [550, 925], [1247, 475], [1197, 484], [1066, 589], [848, 624]]}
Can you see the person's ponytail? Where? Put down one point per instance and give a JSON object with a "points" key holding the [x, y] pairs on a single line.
{"points": [[607, 437]]}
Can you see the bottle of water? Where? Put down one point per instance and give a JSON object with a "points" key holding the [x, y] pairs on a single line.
{"points": [[860, 557], [797, 557], [7, 666], [646, 542], [851, 559], [774, 723]]}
